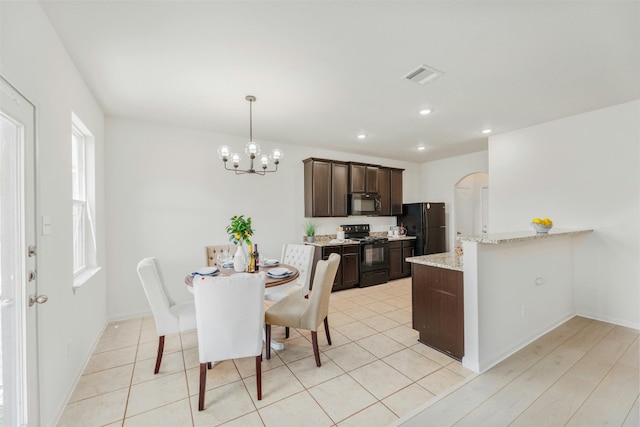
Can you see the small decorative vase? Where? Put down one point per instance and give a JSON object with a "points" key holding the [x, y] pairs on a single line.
{"points": [[239, 259]]}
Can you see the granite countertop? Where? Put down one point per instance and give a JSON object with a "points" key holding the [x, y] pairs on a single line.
{"points": [[520, 236], [330, 239], [448, 260], [333, 242]]}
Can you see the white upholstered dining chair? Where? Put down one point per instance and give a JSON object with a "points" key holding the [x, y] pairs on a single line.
{"points": [[230, 318], [300, 257], [302, 313], [169, 316]]}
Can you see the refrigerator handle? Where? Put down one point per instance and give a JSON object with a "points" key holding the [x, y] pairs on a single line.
{"points": [[426, 240]]}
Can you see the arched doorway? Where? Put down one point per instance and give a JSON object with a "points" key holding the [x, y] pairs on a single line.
{"points": [[471, 205]]}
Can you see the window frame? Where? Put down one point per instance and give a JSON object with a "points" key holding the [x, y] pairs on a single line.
{"points": [[83, 199]]}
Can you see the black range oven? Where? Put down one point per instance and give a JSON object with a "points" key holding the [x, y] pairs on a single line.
{"points": [[374, 254]]}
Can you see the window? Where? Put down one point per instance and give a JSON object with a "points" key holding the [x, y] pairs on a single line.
{"points": [[83, 196], [79, 197]]}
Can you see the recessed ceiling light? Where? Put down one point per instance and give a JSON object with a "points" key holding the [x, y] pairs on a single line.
{"points": [[422, 148], [362, 135], [487, 130], [425, 111]]}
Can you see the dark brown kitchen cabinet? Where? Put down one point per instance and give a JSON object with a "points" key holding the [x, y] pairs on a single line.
{"points": [[438, 308], [399, 251], [390, 191], [348, 275], [384, 190], [350, 267], [325, 188], [339, 187], [396, 191], [363, 178]]}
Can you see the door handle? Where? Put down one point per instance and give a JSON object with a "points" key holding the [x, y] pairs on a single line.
{"points": [[40, 299]]}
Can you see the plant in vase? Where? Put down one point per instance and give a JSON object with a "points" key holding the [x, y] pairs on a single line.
{"points": [[310, 230], [240, 232]]}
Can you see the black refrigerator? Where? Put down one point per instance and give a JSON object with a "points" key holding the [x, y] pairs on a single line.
{"points": [[426, 221]]}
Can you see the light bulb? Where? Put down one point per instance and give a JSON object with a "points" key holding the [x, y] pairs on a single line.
{"points": [[276, 155], [252, 149], [223, 152]]}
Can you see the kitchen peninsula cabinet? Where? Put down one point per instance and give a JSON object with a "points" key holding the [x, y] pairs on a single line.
{"points": [[348, 275], [325, 188], [399, 251], [438, 308]]}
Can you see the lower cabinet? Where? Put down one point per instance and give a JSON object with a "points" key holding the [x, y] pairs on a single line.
{"points": [[348, 275], [438, 308], [400, 250]]}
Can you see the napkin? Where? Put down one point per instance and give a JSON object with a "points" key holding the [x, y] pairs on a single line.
{"points": [[206, 271]]}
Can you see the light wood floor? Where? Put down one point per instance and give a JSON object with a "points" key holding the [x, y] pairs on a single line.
{"points": [[583, 373]]}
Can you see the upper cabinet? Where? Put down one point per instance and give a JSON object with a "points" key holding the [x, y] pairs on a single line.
{"points": [[390, 190], [325, 188], [396, 191], [327, 184], [363, 178]]}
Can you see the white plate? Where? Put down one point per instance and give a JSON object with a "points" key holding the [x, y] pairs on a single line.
{"points": [[269, 262], [279, 272], [206, 271], [228, 264]]}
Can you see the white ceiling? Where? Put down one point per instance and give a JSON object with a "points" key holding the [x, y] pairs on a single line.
{"points": [[325, 71]]}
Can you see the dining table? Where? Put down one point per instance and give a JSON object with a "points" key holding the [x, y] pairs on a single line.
{"points": [[271, 285]]}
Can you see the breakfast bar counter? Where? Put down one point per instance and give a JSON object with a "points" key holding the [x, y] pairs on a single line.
{"points": [[517, 287], [520, 236]]}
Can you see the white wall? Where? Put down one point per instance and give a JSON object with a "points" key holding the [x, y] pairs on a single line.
{"points": [[581, 171], [33, 59], [505, 309], [438, 180], [169, 196]]}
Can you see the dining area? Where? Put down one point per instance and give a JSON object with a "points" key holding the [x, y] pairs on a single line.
{"points": [[228, 309], [343, 357]]}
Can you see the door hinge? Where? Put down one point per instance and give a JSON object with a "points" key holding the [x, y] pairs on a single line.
{"points": [[31, 251]]}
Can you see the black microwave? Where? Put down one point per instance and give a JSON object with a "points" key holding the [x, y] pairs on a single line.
{"points": [[364, 204]]}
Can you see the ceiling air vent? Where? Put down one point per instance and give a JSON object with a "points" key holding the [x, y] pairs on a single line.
{"points": [[423, 75]]}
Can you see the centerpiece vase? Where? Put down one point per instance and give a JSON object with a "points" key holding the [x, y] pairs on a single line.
{"points": [[239, 259]]}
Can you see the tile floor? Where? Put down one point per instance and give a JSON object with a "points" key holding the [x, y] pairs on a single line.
{"points": [[374, 373], [583, 373]]}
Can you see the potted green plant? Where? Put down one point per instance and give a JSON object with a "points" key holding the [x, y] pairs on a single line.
{"points": [[310, 230], [240, 231]]}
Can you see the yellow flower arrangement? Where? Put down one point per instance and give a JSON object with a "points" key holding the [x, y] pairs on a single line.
{"points": [[240, 230]]}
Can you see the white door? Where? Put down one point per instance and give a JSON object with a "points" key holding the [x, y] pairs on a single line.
{"points": [[463, 206], [18, 355], [485, 210]]}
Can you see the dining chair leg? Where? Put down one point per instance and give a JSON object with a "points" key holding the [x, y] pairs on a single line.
{"points": [[326, 329], [314, 342], [259, 375], [286, 332], [203, 383], [267, 332], [159, 357]]}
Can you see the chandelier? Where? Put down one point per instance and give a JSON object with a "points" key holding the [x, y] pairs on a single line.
{"points": [[252, 149]]}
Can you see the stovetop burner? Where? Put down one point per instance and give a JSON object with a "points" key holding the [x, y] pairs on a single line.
{"points": [[360, 233]]}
